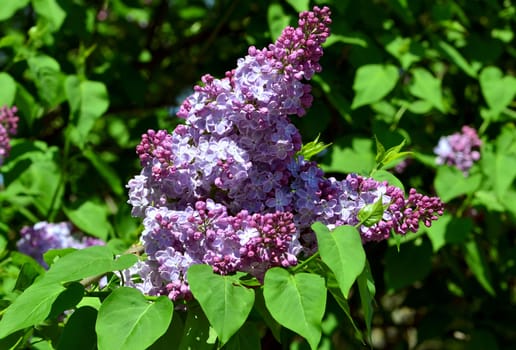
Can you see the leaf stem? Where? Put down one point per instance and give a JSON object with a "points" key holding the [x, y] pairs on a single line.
{"points": [[306, 262]]}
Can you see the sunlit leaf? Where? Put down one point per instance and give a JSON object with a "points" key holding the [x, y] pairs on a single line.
{"points": [[91, 218], [456, 57], [226, 303], [7, 90], [277, 20], [498, 90], [451, 183], [427, 87], [296, 301], [51, 11], [372, 83], [342, 250], [126, 320], [88, 100]]}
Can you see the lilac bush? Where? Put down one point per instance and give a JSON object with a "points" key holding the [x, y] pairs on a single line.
{"points": [[229, 187], [461, 149], [36, 240]]}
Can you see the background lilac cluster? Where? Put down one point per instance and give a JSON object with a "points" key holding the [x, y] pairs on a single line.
{"points": [[38, 239], [461, 149], [229, 188]]}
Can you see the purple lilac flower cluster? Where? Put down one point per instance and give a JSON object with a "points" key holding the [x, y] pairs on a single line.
{"points": [[206, 233], [400, 214], [43, 236], [460, 149], [8, 128], [228, 188]]}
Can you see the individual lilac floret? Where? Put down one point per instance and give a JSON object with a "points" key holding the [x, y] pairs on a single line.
{"points": [[460, 149], [206, 234], [38, 239], [8, 128]]}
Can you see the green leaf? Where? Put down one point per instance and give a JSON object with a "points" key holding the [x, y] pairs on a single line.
{"points": [[504, 173], [48, 78], [448, 230], [50, 10], [451, 183], [393, 153], [7, 90], [456, 57], [346, 39], [384, 175], [226, 303], [313, 148], [380, 151], [87, 262], [9, 8], [478, 265], [498, 90], [489, 200], [296, 301], [398, 273], [126, 320], [277, 20], [299, 5], [359, 158], [427, 87], [367, 291], [420, 107], [35, 176], [372, 83], [30, 308], [90, 218], [88, 101], [371, 214], [405, 50], [342, 250], [53, 254], [28, 108], [79, 331]]}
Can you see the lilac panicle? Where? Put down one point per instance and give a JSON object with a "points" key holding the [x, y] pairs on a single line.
{"points": [[38, 239], [227, 188], [8, 128], [401, 214], [461, 149]]}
